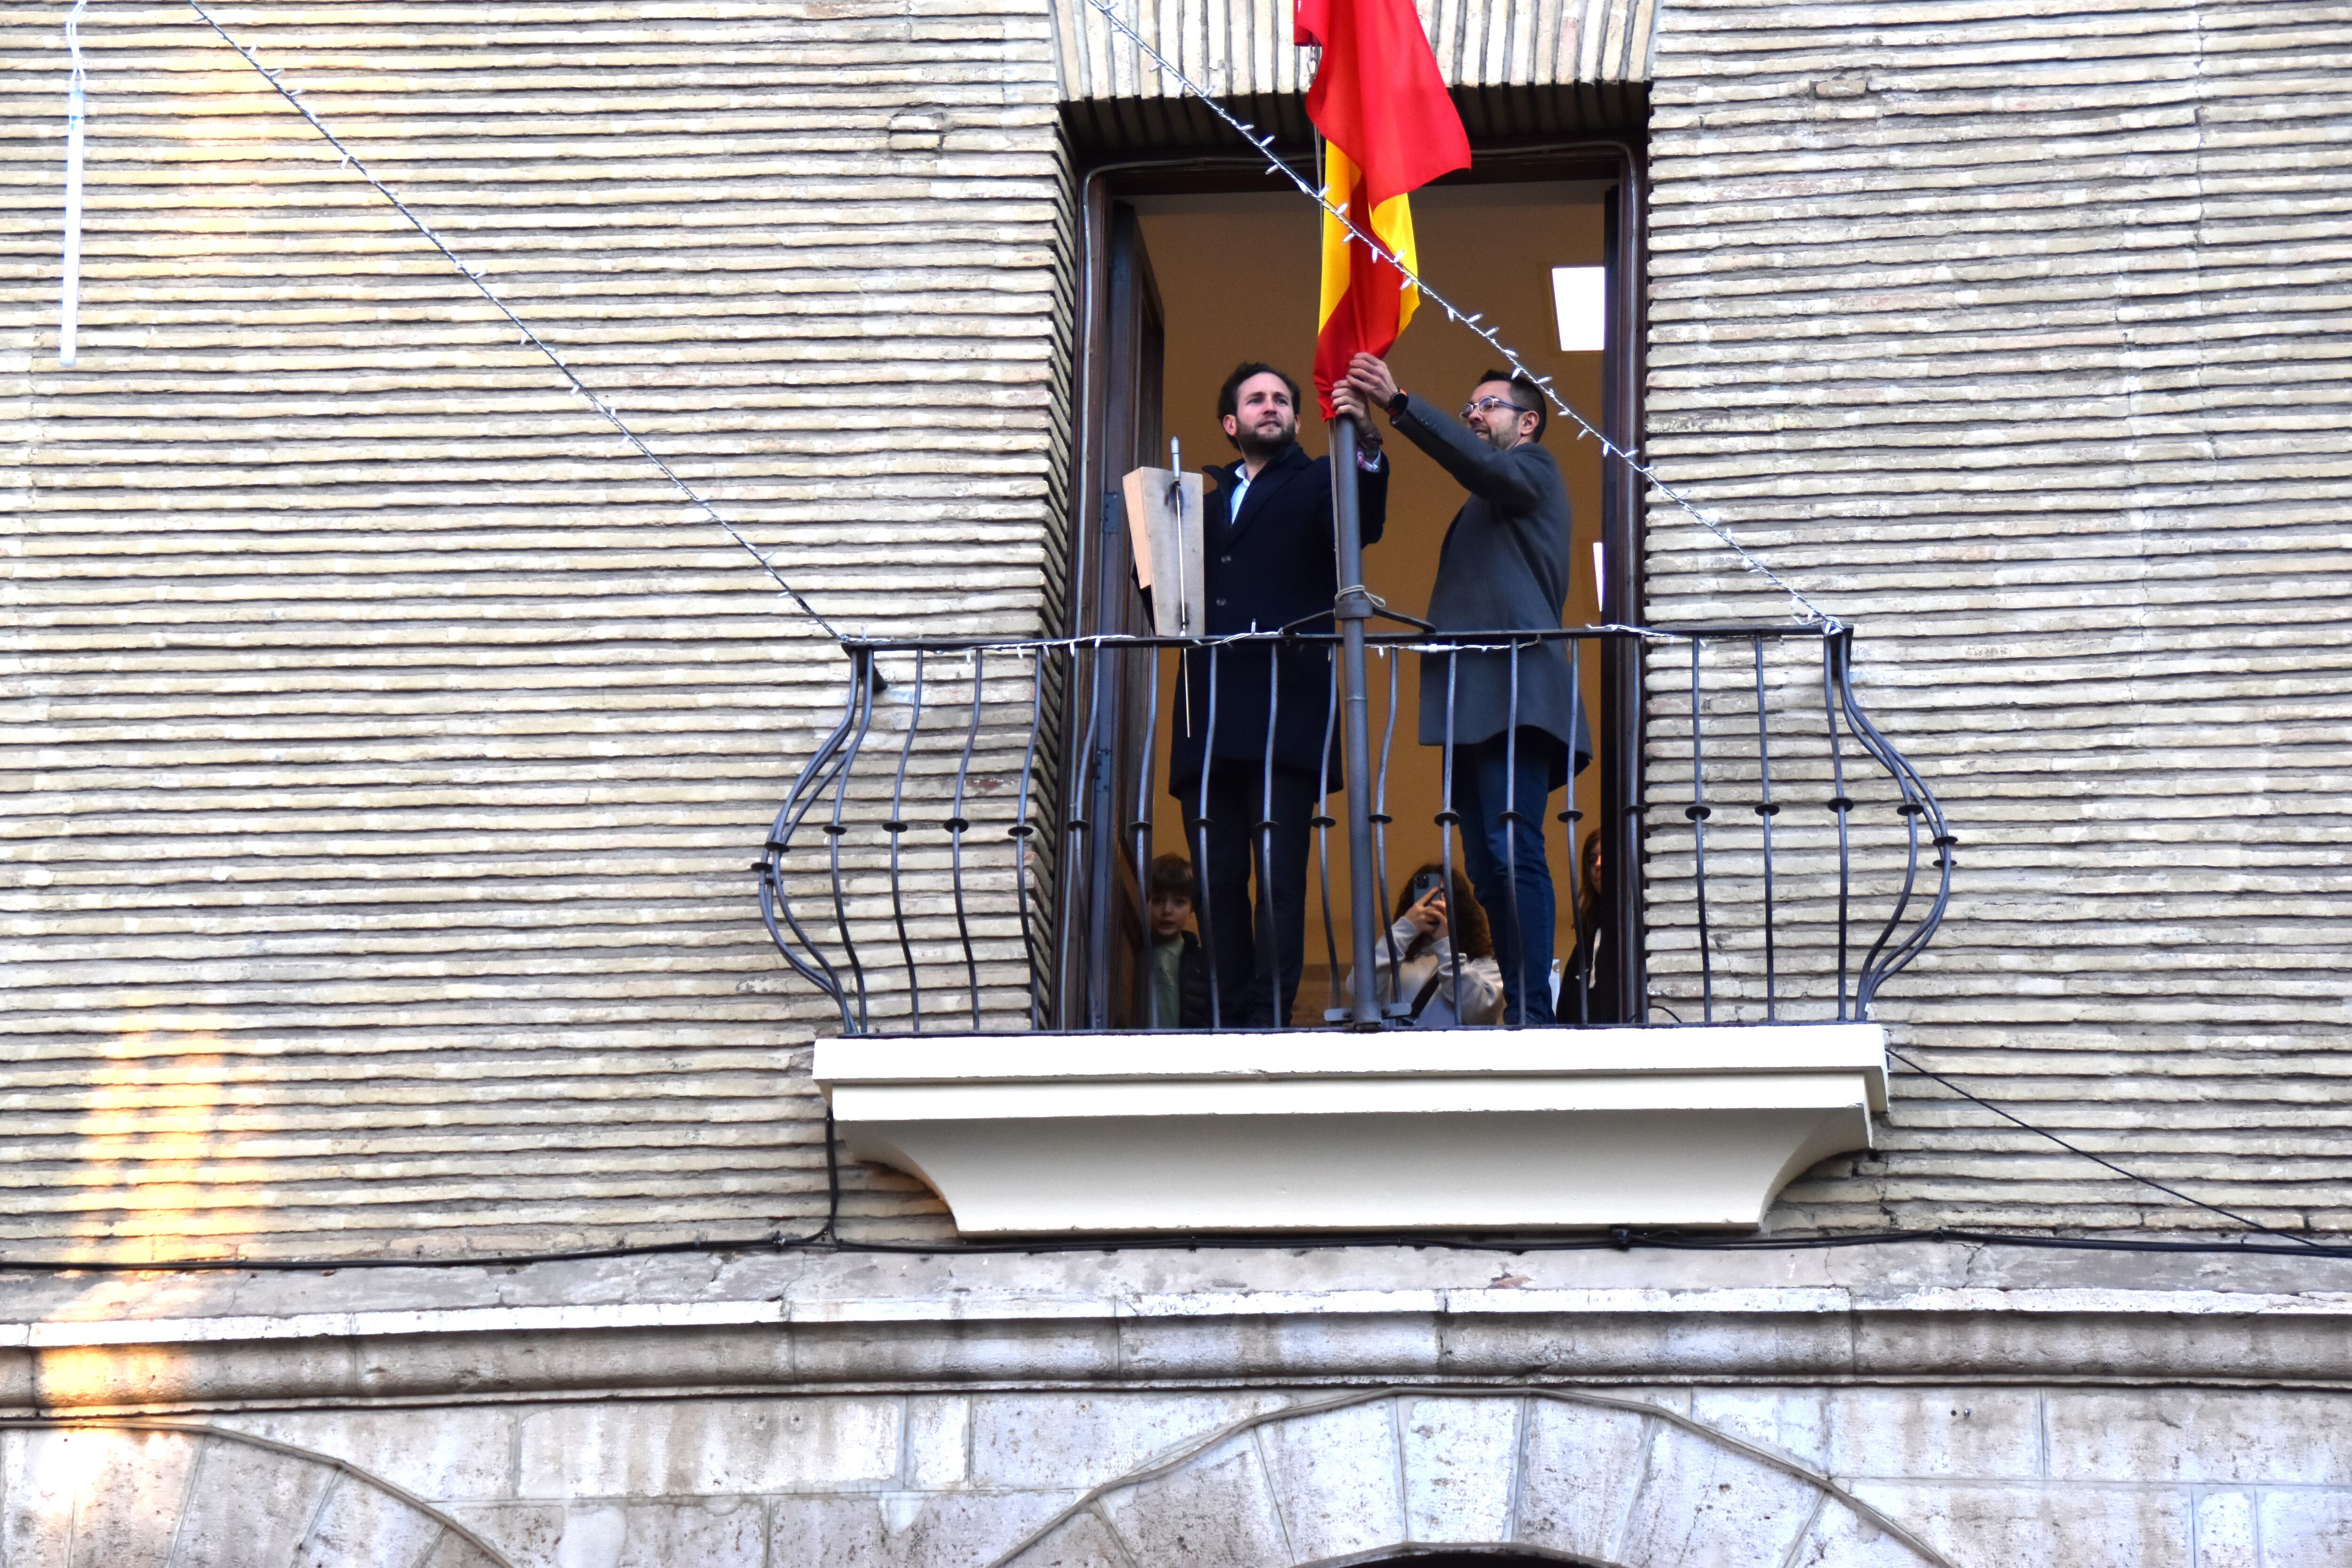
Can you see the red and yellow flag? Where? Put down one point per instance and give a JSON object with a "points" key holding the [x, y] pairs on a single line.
{"points": [[1389, 128]]}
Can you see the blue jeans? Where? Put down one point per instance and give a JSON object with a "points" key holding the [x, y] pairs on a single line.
{"points": [[1493, 848]]}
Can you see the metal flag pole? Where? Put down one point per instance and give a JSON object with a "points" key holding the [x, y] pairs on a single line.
{"points": [[1351, 610]]}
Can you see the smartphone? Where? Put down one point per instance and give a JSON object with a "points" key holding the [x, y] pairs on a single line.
{"points": [[1422, 887]]}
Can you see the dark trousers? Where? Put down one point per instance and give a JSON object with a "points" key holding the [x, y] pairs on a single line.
{"points": [[1503, 856], [1256, 949]]}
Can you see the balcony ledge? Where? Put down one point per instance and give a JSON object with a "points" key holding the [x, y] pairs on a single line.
{"points": [[1035, 1134]]}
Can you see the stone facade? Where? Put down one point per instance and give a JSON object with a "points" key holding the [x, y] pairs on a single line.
{"points": [[1241, 1409]]}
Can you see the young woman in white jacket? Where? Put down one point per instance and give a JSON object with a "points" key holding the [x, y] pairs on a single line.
{"points": [[1430, 975]]}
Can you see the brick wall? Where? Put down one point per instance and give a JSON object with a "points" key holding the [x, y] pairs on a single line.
{"points": [[2015, 335], [389, 743]]}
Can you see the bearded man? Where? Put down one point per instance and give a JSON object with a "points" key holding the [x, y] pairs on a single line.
{"points": [[1269, 562], [1503, 567]]}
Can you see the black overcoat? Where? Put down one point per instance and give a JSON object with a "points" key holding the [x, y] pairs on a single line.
{"points": [[1273, 565], [1503, 567]]}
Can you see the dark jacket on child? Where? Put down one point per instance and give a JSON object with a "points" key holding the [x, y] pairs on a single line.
{"points": [[1192, 985]]}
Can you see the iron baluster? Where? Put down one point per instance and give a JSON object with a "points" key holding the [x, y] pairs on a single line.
{"points": [[1323, 822], [896, 826], [1918, 803], [1697, 812], [1765, 812], [1447, 819], [1201, 851], [1510, 820], [1579, 951], [775, 903], [1865, 980], [1139, 831], [1066, 891], [1268, 944], [836, 830], [1842, 804], [958, 823], [1022, 830], [1923, 806], [1078, 869], [1380, 820]]}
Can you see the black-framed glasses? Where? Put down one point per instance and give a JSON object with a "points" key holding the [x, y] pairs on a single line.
{"points": [[1470, 411]]}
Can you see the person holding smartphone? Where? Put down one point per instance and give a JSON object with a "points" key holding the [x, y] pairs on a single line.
{"points": [[1441, 981]]}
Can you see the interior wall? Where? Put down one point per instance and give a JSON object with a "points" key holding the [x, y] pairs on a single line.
{"points": [[1237, 275]]}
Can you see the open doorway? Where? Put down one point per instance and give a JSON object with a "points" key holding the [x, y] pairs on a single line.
{"points": [[1231, 262]]}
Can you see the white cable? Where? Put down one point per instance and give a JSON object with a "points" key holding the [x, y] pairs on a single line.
{"points": [[70, 293], [473, 275], [1101, 641], [1806, 610]]}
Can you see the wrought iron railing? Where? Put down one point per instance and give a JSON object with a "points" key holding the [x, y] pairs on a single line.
{"points": [[966, 848]]}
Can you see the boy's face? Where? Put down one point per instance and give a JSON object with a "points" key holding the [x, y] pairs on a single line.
{"points": [[1169, 913]]}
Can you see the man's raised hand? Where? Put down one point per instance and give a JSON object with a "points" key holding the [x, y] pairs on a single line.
{"points": [[1369, 375]]}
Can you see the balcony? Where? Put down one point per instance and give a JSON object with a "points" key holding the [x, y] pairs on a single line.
{"points": [[958, 871]]}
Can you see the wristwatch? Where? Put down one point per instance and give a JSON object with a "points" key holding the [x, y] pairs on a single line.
{"points": [[1395, 405]]}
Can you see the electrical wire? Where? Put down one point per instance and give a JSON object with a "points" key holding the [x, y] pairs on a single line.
{"points": [[826, 1238], [1806, 610], [1622, 1239], [2098, 1158], [293, 95]]}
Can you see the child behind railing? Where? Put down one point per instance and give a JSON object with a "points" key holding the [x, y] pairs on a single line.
{"points": [[1180, 971]]}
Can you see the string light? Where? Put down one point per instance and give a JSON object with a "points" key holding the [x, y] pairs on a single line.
{"points": [[1099, 641], [69, 291], [1806, 610], [702, 508]]}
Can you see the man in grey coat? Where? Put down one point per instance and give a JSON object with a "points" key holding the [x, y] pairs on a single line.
{"points": [[1504, 567]]}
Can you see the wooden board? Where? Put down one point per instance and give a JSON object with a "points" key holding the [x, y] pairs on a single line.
{"points": [[1164, 520]]}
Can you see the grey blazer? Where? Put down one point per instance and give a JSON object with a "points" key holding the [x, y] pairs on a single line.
{"points": [[1504, 567]]}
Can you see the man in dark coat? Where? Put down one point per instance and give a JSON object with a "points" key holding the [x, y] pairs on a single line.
{"points": [[1269, 562], [1503, 567]]}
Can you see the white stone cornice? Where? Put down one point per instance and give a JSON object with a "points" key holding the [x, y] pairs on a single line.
{"points": [[1294, 1130]]}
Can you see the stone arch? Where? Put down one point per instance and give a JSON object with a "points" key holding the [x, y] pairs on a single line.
{"points": [[1572, 1477], [188, 1495]]}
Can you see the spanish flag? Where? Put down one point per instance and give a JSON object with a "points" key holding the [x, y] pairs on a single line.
{"points": [[1389, 128]]}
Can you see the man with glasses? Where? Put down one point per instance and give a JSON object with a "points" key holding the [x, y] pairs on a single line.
{"points": [[1503, 568]]}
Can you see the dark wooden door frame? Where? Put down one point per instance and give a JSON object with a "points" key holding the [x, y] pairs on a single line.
{"points": [[1624, 162], [1097, 895]]}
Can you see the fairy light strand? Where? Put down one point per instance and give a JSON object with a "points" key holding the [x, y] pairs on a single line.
{"points": [[70, 287], [1806, 610], [473, 275]]}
